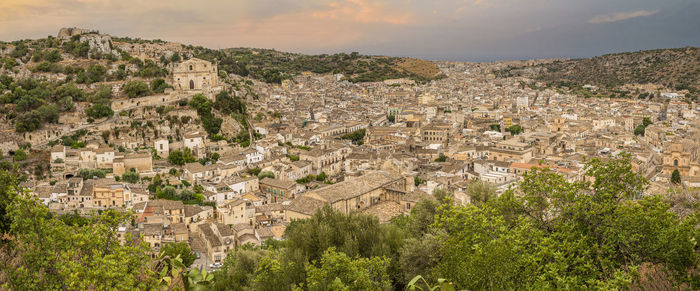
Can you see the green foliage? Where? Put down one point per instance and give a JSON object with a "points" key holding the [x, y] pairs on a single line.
{"points": [[181, 249], [306, 180], [266, 174], [417, 181], [20, 50], [49, 254], [53, 55], [19, 156], [515, 129], [203, 106], [337, 271], [8, 191], [47, 67], [159, 86], [356, 137], [481, 192], [254, 171], [95, 73], [552, 234], [178, 157], [641, 128], [273, 67], [495, 127], [239, 269], [130, 177], [149, 69], [99, 111], [676, 177], [90, 174], [76, 48], [135, 89], [418, 281], [321, 177], [441, 159], [228, 105]]}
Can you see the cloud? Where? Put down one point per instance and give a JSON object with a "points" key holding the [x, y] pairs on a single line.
{"points": [[364, 11], [620, 16]]}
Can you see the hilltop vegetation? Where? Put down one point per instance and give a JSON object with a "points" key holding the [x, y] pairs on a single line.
{"points": [[676, 69], [274, 66]]}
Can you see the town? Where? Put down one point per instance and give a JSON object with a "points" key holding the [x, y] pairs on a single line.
{"points": [[219, 160]]}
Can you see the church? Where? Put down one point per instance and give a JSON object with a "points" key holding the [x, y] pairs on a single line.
{"points": [[195, 75]]}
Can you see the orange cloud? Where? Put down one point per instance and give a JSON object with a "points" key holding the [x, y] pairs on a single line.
{"points": [[364, 11]]}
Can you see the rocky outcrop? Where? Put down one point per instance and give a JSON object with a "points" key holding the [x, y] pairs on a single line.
{"points": [[68, 32], [100, 44]]}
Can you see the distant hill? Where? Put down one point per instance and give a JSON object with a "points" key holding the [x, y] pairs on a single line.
{"points": [[274, 66], [676, 69]]}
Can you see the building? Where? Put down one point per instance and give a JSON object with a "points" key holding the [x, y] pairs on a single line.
{"points": [[436, 133], [195, 75], [278, 190], [108, 193], [362, 192], [511, 151]]}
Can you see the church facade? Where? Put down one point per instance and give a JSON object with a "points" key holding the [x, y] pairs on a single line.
{"points": [[195, 75]]}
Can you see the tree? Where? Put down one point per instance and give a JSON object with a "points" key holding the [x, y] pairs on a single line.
{"points": [[481, 192], [49, 254], [420, 256], [159, 85], [266, 174], [8, 190], [181, 249], [130, 177], [227, 104], [19, 156], [336, 271], [321, 177], [178, 157], [95, 73], [99, 111], [541, 234], [515, 129], [238, 269], [441, 194], [135, 89], [53, 55], [639, 130], [356, 136], [676, 177], [441, 159]]}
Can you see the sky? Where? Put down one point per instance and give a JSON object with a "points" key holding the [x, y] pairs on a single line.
{"points": [[460, 30]]}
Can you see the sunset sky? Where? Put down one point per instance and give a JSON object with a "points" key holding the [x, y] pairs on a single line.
{"points": [[435, 29]]}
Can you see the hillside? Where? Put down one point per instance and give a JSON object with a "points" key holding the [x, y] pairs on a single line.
{"points": [[274, 66], [674, 69]]}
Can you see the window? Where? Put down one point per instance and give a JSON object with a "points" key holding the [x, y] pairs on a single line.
{"points": [[675, 163], [281, 193], [190, 67], [191, 84]]}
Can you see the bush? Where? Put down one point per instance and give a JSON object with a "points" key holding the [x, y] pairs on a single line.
{"points": [[135, 89], [159, 86], [20, 155], [99, 111]]}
